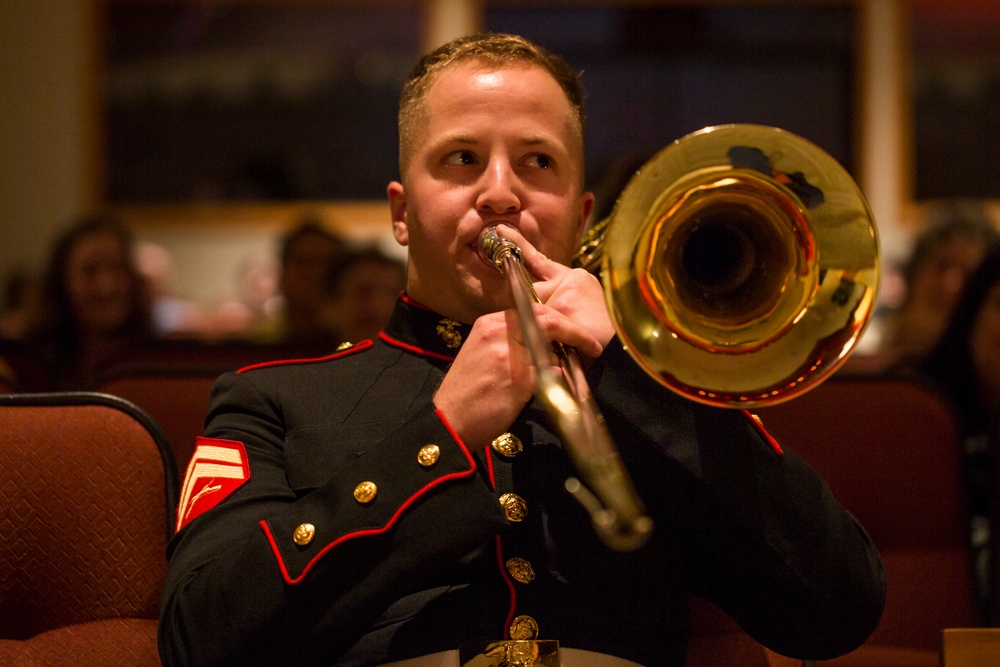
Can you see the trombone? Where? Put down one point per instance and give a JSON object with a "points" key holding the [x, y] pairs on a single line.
{"points": [[740, 265], [614, 507]]}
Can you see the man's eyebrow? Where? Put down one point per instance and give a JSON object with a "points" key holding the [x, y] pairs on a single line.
{"points": [[466, 139], [457, 138], [536, 140]]}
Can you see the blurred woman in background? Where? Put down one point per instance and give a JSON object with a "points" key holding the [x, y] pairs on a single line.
{"points": [[92, 302], [958, 235], [965, 367]]}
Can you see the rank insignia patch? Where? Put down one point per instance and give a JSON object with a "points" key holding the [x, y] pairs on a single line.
{"points": [[217, 469]]}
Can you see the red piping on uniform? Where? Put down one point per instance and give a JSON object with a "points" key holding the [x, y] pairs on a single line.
{"points": [[489, 467], [413, 302], [500, 561], [373, 531], [510, 587], [412, 348], [759, 425], [363, 345]]}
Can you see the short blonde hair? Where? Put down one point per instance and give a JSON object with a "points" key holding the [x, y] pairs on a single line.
{"points": [[493, 50]]}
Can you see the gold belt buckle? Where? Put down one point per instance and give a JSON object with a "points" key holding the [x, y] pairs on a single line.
{"points": [[518, 653]]}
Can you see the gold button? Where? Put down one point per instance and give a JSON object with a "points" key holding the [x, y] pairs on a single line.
{"points": [[428, 455], [507, 445], [345, 345], [521, 570], [523, 627], [514, 507], [304, 534], [365, 492]]}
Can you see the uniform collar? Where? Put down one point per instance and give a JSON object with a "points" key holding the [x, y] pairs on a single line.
{"points": [[419, 329]]}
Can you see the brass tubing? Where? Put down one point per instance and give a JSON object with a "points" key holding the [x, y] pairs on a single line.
{"points": [[605, 490]]}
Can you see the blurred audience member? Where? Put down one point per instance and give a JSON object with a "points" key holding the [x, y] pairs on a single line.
{"points": [[958, 235], [173, 316], [364, 287], [965, 366], [92, 302], [308, 253]]}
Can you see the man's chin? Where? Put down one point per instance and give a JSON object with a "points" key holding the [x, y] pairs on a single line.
{"points": [[488, 300]]}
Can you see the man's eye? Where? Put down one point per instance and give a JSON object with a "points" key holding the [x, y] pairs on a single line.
{"points": [[461, 158], [540, 161]]}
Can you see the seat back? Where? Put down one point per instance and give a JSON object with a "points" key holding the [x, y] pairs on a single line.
{"points": [[176, 398], [218, 356], [22, 369], [8, 384], [890, 451], [88, 491], [172, 380]]}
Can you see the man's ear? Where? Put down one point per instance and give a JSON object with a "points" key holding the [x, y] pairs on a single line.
{"points": [[397, 207]]}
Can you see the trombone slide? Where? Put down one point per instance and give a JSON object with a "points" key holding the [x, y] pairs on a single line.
{"points": [[606, 490]]}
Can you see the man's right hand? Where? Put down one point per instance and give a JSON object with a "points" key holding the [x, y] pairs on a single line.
{"points": [[492, 379]]}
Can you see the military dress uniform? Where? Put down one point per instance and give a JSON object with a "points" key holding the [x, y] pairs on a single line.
{"points": [[331, 516]]}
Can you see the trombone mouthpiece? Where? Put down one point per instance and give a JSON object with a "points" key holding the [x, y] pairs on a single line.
{"points": [[494, 247]]}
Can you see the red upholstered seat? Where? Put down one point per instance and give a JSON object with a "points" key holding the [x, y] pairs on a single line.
{"points": [[88, 489], [109, 643], [891, 454], [172, 380], [176, 398]]}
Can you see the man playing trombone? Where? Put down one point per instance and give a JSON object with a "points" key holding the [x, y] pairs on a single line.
{"points": [[403, 500]]}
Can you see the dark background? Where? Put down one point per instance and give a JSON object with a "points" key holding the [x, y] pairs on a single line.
{"points": [[257, 102]]}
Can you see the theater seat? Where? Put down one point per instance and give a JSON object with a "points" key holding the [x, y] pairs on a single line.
{"points": [[172, 380], [890, 452], [88, 490], [717, 641], [21, 368], [175, 397]]}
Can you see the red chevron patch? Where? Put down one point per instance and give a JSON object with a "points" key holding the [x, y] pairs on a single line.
{"points": [[217, 468]]}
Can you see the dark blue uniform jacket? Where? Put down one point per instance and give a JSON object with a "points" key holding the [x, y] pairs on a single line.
{"points": [[291, 568]]}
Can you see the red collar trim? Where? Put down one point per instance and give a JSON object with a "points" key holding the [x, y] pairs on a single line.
{"points": [[407, 299], [389, 340]]}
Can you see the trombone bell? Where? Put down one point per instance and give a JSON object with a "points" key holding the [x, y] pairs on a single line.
{"points": [[740, 264]]}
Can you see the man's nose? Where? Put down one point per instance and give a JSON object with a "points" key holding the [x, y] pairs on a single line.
{"points": [[499, 193]]}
